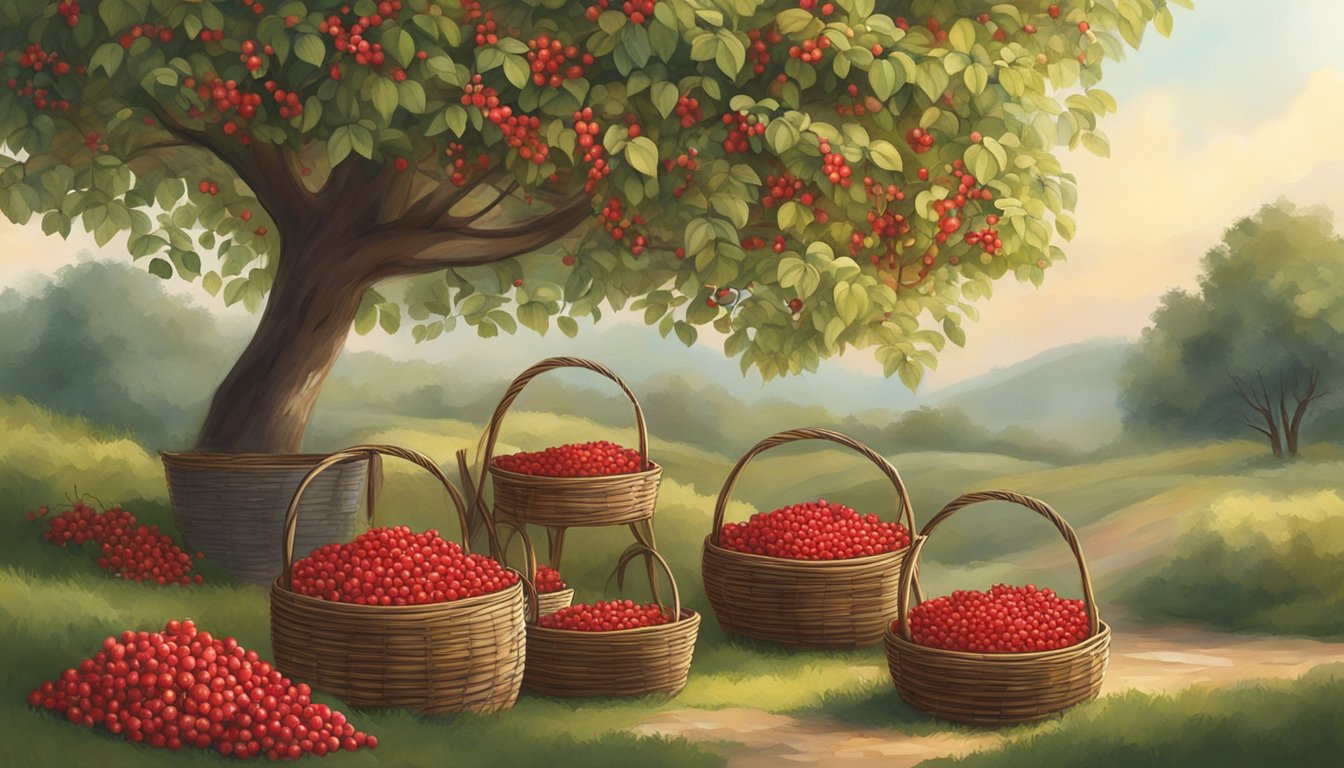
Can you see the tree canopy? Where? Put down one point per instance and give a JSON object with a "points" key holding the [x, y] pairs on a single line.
{"points": [[1269, 312]]}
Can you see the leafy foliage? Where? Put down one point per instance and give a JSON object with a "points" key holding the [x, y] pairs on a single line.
{"points": [[220, 134], [1271, 301]]}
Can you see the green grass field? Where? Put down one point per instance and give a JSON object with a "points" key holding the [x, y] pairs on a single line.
{"points": [[56, 606]]}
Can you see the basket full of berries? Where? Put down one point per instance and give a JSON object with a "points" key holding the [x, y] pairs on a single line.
{"points": [[397, 618], [810, 575], [584, 484], [1012, 654], [551, 590], [614, 647]]}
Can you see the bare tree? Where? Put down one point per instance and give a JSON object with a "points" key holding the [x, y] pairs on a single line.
{"points": [[1285, 431]]}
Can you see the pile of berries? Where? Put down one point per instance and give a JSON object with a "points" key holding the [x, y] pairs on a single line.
{"points": [[552, 62], [606, 616], [133, 552], [393, 566], [920, 140], [548, 580], [811, 51], [353, 40], [688, 110], [1002, 620], [817, 530], [183, 687], [834, 166], [595, 459], [638, 11], [740, 128]]}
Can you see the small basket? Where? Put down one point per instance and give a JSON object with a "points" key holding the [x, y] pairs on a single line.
{"points": [[628, 662], [464, 655], [804, 603], [548, 602], [997, 688], [231, 506], [566, 502]]}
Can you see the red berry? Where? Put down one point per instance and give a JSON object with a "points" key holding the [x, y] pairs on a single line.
{"points": [[606, 616], [814, 531], [593, 459], [1003, 619]]}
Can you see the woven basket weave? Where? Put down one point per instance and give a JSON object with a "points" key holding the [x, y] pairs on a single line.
{"points": [[463, 655], [565, 502], [231, 506], [804, 603], [547, 602], [629, 662], [997, 688]]}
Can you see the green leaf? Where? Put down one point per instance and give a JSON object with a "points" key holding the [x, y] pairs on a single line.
{"points": [[310, 48], [732, 54], [665, 96], [339, 145], [642, 154], [567, 325], [1097, 143], [403, 47], [383, 94], [911, 373], [954, 332], [1163, 22], [160, 268], [411, 96], [885, 155], [976, 78], [109, 57], [793, 21], [882, 79], [686, 332], [534, 315], [517, 70]]}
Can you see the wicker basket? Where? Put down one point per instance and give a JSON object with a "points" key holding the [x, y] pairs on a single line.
{"points": [[804, 603], [565, 502], [628, 662], [464, 655], [231, 506], [997, 688], [548, 602]]}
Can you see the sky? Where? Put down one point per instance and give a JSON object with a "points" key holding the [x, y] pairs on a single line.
{"points": [[1242, 105]]}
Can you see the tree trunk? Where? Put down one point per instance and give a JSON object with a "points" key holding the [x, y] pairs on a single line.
{"points": [[264, 403]]}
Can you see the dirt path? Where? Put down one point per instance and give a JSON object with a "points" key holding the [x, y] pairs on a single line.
{"points": [[1154, 660]]}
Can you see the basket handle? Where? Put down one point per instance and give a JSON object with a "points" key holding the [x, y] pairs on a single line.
{"points": [[966, 499], [812, 433], [370, 452], [529, 578], [635, 550], [550, 365]]}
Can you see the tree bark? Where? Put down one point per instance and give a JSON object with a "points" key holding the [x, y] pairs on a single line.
{"points": [[264, 403]]}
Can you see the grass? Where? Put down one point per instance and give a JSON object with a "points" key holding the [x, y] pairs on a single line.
{"points": [[56, 606], [1256, 724]]}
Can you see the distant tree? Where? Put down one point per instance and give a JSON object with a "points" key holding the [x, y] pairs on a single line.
{"points": [[1269, 317]]}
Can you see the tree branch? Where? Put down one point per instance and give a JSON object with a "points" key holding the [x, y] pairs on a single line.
{"points": [[261, 166], [453, 222], [1261, 430], [402, 250], [425, 212]]}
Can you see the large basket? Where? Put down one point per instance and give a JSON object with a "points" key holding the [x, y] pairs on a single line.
{"points": [[997, 688], [804, 603], [231, 506], [630, 662], [566, 502], [464, 655]]}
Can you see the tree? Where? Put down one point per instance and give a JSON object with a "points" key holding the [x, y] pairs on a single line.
{"points": [[1269, 316], [804, 177]]}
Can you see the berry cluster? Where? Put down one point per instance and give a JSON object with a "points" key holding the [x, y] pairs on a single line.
{"points": [[471, 10], [606, 616], [94, 141], [949, 209], [461, 167], [858, 106], [522, 132], [487, 30], [939, 34], [393, 566], [758, 54], [987, 237], [183, 687], [740, 128], [208, 187], [688, 109], [920, 140], [834, 166], [70, 11], [783, 188], [548, 580], [616, 223], [36, 59], [1002, 620], [811, 51], [889, 193], [588, 130], [226, 97], [150, 32], [249, 56], [686, 160], [133, 552], [289, 104], [638, 11], [354, 40], [552, 62], [827, 8], [814, 530], [595, 459]]}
